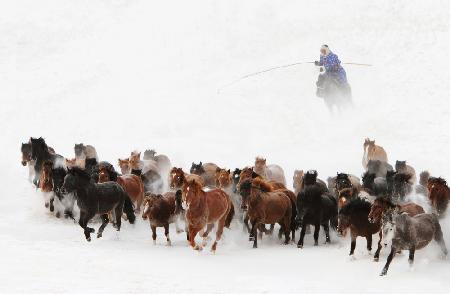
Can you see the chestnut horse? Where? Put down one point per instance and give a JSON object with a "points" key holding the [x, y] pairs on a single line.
{"points": [[266, 206], [270, 172], [439, 194], [383, 204], [249, 173], [124, 165], [46, 183], [372, 152], [205, 170], [205, 209], [132, 184], [162, 210], [177, 178]]}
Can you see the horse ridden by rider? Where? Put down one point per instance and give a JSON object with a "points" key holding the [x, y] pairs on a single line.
{"points": [[332, 85]]}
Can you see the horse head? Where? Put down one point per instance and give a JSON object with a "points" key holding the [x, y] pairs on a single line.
{"points": [[197, 169]]}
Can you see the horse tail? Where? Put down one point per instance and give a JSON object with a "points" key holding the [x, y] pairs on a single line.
{"points": [[293, 215], [334, 214], [129, 209], [438, 235], [230, 215]]}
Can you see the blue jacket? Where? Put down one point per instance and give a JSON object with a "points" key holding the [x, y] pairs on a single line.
{"points": [[333, 67]]}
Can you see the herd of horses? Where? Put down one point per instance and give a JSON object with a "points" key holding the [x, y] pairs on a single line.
{"points": [[257, 196]]}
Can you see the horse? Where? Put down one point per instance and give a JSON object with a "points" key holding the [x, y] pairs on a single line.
{"points": [[439, 194], [67, 200], [162, 210], [373, 185], [249, 173], [421, 188], [266, 206], [236, 175], [403, 168], [40, 153], [85, 151], [404, 232], [314, 207], [354, 215], [270, 172], [205, 170], [382, 205], [379, 168], [344, 189], [162, 161], [148, 171], [310, 178], [27, 160], [331, 183], [46, 184], [372, 152], [132, 184], [124, 165], [97, 199], [398, 185], [205, 209], [177, 178]]}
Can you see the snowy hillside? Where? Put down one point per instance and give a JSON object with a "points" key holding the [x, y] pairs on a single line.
{"points": [[124, 75]]}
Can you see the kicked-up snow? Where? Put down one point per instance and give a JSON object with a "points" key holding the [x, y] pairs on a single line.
{"points": [[124, 75]]}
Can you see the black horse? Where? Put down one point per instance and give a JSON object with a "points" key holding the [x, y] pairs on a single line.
{"points": [[66, 200], [354, 215], [398, 185], [375, 186], [94, 199], [310, 178], [344, 188], [40, 153], [316, 208]]}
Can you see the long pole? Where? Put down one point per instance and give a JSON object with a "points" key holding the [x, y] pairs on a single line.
{"points": [[278, 67]]}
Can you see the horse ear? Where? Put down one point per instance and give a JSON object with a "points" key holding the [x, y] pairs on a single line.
{"points": [[229, 171], [200, 163]]}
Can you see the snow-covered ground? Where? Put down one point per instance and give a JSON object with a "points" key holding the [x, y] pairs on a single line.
{"points": [[125, 75]]}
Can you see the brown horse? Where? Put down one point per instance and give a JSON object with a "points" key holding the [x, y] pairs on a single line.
{"points": [[353, 216], [205, 209], [373, 152], [132, 184], [124, 165], [223, 178], [439, 194], [205, 170], [383, 204], [162, 210], [270, 172], [177, 178], [249, 173], [266, 206], [46, 183]]}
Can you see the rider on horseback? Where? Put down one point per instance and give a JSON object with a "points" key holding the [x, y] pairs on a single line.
{"points": [[333, 71]]}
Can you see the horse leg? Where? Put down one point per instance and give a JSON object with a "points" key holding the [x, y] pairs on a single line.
{"points": [[353, 243], [153, 233], [105, 221], [192, 233], [177, 225], [253, 233], [166, 232], [369, 243], [302, 236], [118, 215], [219, 232], [388, 262], [246, 225], [316, 234], [412, 250], [84, 218], [272, 226], [209, 228], [439, 238], [326, 228], [377, 253], [52, 199]]}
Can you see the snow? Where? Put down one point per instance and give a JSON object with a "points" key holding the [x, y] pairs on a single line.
{"points": [[133, 74]]}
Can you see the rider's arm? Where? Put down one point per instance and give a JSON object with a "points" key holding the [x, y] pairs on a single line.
{"points": [[332, 64]]}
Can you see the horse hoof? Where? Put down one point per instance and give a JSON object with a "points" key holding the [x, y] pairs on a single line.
{"points": [[169, 243], [255, 246], [199, 248], [46, 205], [99, 236], [299, 246], [88, 239], [376, 259], [316, 243], [57, 214]]}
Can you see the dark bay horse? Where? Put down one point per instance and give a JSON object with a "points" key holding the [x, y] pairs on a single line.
{"points": [[439, 194], [384, 204], [354, 216], [97, 199], [404, 232], [266, 206], [162, 210], [40, 153]]}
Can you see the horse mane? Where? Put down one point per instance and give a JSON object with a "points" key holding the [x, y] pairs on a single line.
{"points": [[263, 185], [342, 176], [355, 205], [77, 171], [436, 180]]}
